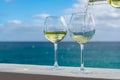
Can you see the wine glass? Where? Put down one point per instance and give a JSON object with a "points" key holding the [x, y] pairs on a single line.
{"points": [[81, 29], [55, 30]]}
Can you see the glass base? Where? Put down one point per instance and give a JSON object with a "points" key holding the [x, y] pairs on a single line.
{"points": [[56, 68], [81, 71]]}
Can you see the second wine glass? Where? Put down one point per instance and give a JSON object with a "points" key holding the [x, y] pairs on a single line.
{"points": [[55, 30], [81, 29]]}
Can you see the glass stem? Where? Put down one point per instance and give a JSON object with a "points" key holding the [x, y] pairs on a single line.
{"points": [[55, 55], [82, 57]]}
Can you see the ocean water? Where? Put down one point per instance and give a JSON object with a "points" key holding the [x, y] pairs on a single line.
{"points": [[96, 54]]}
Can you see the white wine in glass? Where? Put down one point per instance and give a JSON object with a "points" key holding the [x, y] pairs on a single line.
{"points": [[54, 36], [55, 30], [81, 29]]}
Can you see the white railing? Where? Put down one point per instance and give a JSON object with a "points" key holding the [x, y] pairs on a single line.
{"points": [[37, 72]]}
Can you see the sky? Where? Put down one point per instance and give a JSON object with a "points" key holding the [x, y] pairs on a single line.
{"points": [[23, 20]]}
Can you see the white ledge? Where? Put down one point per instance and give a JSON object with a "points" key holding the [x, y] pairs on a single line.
{"points": [[38, 72]]}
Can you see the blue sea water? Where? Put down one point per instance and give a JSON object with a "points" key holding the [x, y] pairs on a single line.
{"points": [[97, 54]]}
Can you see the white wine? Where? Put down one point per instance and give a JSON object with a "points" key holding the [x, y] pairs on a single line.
{"points": [[81, 37], [114, 3], [55, 36]]}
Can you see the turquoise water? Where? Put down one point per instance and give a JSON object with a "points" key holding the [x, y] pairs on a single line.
{"points": [[97, 54]]}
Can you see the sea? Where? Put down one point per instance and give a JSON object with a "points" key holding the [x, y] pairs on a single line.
{"points": [[96, 54]]}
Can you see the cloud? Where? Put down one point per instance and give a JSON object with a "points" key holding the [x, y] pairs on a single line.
{"points": [[15, 22], [107, 19], [1, 25], [76, 7], [21, 34], [42, 15], [38, 19], [102, 13], [38, 22], [7, 0], [114, 14]]}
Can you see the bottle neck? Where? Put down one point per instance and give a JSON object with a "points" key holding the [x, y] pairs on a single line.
{"points": [[93, 2]]}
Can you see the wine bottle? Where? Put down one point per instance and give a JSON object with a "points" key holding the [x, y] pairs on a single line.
{"points": [[114, 3]]}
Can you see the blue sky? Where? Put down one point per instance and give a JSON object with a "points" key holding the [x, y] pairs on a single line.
{"points": [[22, 20]]}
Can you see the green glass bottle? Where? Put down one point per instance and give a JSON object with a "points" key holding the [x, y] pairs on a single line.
{"points": [[114, 3]]}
